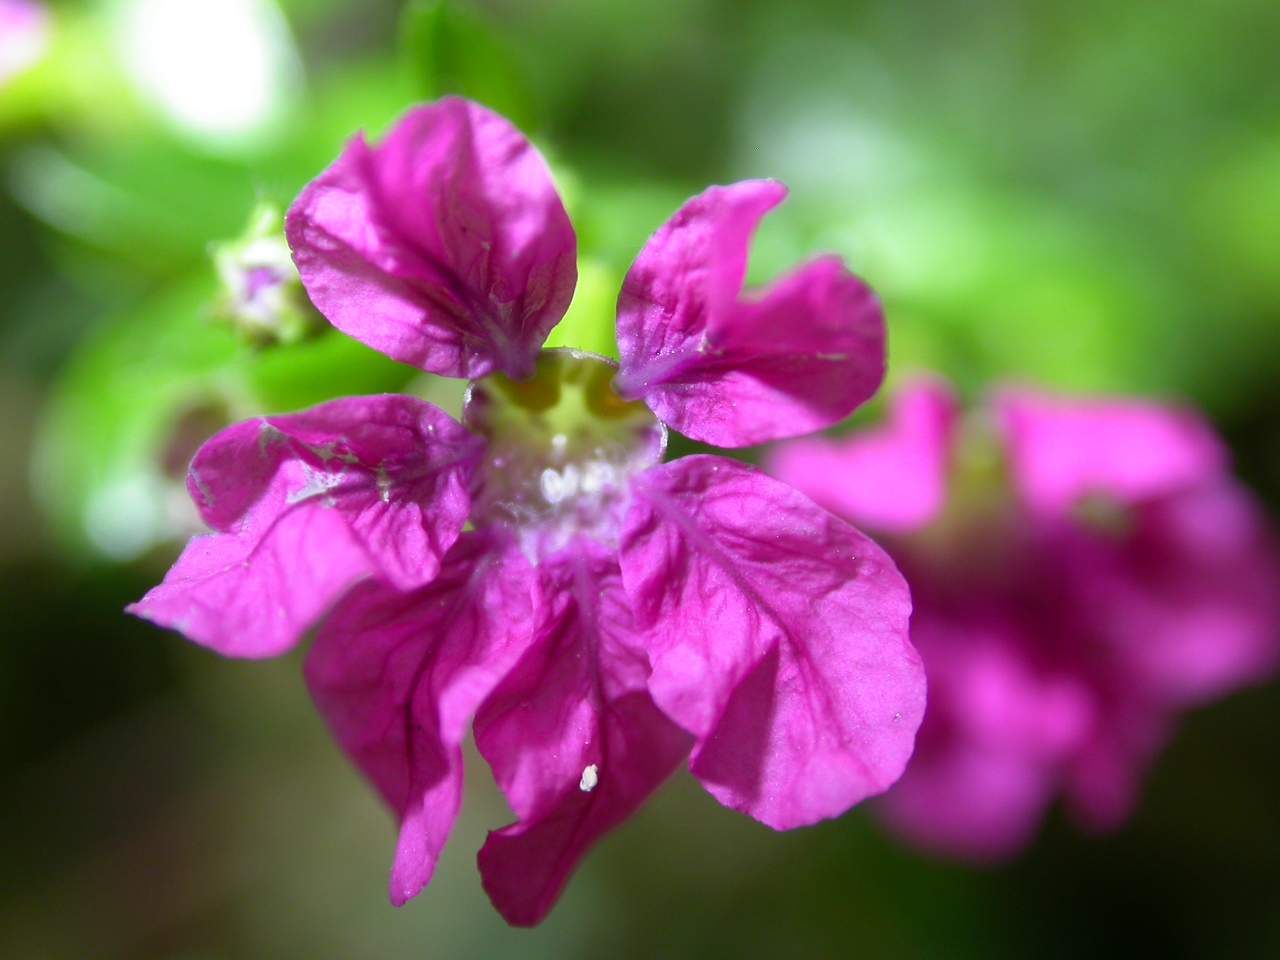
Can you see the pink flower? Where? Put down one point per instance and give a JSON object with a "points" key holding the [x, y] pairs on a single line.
{"points": [[1066, 624], [600, 614]]}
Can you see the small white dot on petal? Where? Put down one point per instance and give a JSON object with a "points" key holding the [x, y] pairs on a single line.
{"points": [[590, 777]]}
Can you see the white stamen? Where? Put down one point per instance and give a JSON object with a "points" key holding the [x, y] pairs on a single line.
{"points": [[590, 777], [552, 486], [572, 480], [597, 476]]}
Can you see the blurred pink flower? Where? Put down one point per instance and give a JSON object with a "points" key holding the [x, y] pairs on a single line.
{"points": [[24, 35], [1064, 625], [599, 613]]}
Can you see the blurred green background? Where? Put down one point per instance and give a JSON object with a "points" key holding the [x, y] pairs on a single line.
{"points": [[1085, 196]]}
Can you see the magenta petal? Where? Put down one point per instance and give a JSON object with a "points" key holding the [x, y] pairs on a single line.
{"points": [[970, 804], [254, 593], [1184, 595], [572, 735], [1104, 781], [893, 478], [446, 246], [306, 504], [396, 468], [778, 636], [999, 731], [1203, 574], [1187, 602], [795, 358], [399, 676], [1062, 449]]}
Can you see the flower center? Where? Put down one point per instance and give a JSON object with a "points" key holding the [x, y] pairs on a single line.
{"points": [[563, 447]]}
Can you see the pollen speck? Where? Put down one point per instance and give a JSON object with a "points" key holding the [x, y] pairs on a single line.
{"points": [[590, 777]]}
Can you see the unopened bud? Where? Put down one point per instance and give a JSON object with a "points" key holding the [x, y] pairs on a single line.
{"points": [[262, 294]]}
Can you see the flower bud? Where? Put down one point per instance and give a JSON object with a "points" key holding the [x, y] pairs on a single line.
{"points": [[262, 294]]}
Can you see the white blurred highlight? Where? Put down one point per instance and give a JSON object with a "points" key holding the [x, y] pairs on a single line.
{"points": [[24, 36], [222, 72]]}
